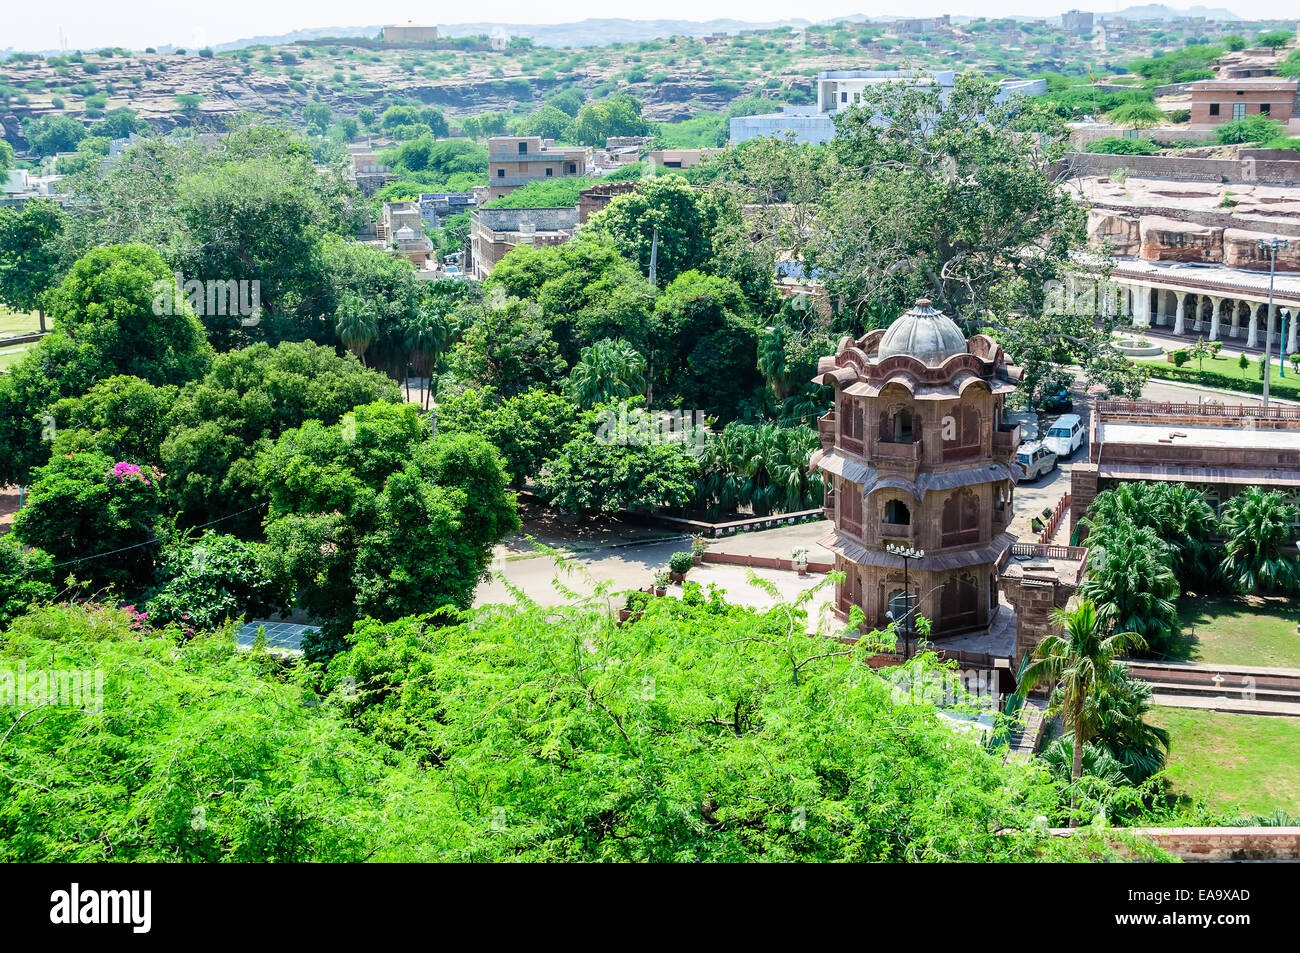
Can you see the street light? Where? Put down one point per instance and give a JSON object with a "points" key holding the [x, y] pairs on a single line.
{"points": [[1270, 246], [907, 553], [1281, 360]]}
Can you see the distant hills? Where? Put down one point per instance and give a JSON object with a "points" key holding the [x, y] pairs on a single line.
{"points": [[1158, 11]]}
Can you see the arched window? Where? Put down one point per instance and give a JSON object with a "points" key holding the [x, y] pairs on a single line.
{"points": [[897, 513], [961, 519], [897, 605], [959, 604], [961, 434], [903, 427]]}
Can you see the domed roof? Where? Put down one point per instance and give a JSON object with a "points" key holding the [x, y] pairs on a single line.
{"points": [[928, 335]]}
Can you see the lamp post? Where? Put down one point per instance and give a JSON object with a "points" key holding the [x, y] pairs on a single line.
{"points": [[907, 554], [1281, 359], [1270, 246]]}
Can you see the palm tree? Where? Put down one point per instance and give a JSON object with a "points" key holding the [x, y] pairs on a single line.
{"points": [[1180, 516], [1257, 527], [1079, 663], [356, 325], [1131, 583], [425, 337], [606, 371]]}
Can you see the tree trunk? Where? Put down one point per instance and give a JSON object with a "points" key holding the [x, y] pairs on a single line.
{"points": [[40, 312], [1076, 770]]}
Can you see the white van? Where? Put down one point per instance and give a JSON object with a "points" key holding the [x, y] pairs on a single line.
{"points": [[1065, 435]]}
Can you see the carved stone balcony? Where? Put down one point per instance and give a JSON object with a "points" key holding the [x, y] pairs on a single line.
{"points": [[826, 430], [1006, 438], [905, 454]]}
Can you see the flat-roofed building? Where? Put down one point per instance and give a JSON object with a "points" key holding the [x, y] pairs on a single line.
{"points": [[495, 231], [1219, 449], [1216, 101], [514, 161], [680, 158], [410, 33]]}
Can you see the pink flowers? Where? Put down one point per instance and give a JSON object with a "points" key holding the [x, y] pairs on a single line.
{"points": [[129, 471]]}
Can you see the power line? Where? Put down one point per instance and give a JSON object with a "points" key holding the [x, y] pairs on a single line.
{"points": [[147, 542]]}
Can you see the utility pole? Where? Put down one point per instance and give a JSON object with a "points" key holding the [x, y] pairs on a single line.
{"points": [[1271, 247], [654, 257]]}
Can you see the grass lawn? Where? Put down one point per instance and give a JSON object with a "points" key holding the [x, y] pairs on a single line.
{"points": [[20, 322], [1241, 630], [10, 356], [1247, 764]]}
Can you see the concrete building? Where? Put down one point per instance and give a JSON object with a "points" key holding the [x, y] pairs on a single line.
{"points": [[400, 230], [1216, 101], [839, 90], [410, 33], [517, 160], [1077, 21], [494, 232], [680, 158], [435, 207], [1218, 449]]}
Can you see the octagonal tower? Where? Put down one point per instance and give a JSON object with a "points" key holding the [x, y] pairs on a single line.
{"points": [[915, 453]]}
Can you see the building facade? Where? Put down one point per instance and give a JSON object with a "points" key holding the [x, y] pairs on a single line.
{"points": [[915, 453], [514, 161], [1216, 101]]}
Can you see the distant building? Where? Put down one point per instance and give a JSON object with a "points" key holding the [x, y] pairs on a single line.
{"points": [[1216, 101], [1077, 21], [367, 171], [410, 33], [680, 158], [494, 232], [437, 206], [917, 26], [840, 90], [401, 231], [517, 160]]}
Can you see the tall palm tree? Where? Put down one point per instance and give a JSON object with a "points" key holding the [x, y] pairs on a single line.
{"points": [[606, 371], [1131, 583], [425, 338], [1079, 663], [356, 324], [1257, 527]]}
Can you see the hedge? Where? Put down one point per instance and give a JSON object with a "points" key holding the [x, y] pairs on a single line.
{"points": [[1250, 384]]}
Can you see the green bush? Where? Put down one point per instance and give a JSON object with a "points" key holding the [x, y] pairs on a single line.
{"points": [[1234, 382], [1179, 357], [681, 562]]}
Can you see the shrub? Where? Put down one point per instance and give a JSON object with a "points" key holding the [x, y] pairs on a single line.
{"points": [[681, 563]]}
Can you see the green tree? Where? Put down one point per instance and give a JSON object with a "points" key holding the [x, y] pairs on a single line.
{"points": [[250, 397], [528, 429], [607, 371], [1079, 664], [25, 579], [51, 134], [1258, 526], [373, 517], [103, 514], [33, 254], [122, 417], [356, 325], [506, 346], [1131, 583], [1137, 116], [618, 115], [205, 582], [621, 466]]}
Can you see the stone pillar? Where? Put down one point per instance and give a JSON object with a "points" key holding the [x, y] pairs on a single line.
{"points": [[1214, 318], [1290, 331], [1197, 308], [1236, 318], [1142, 306], [1252, 336], [1180, 319]]}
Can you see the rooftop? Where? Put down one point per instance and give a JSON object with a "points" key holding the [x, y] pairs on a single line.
{"points": [[928, 335], [1181, 435]]}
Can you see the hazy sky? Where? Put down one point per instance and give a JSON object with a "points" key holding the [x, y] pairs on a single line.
{"points": [[139, 23]]}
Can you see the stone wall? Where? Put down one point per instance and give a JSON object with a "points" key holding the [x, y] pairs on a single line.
{"points": [[1249, 169], [1206, 844]]}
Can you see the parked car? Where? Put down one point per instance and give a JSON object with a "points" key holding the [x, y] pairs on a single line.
{"points": [[1056, 402], [1065, 435], [1036, 460]]}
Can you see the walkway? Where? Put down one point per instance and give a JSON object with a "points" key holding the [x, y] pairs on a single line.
{"points": [[1235, 689]]}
